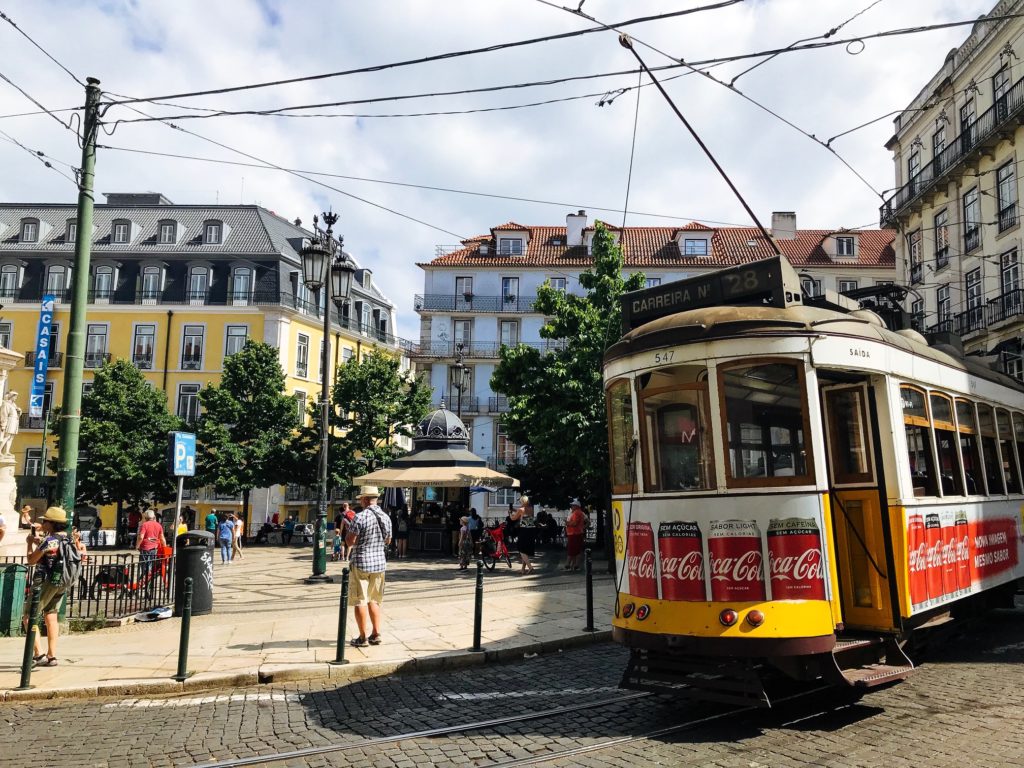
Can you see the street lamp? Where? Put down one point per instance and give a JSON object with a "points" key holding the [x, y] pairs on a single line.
{"points": [[459, 376], [325, 265]]}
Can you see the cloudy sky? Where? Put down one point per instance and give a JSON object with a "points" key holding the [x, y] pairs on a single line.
{"points": [[571, 154]]}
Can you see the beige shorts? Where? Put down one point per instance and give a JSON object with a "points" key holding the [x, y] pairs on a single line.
{"points": [[365, 587]]}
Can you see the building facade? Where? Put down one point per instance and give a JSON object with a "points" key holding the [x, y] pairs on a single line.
{"points": [[479, 296], [174, 289], [955, 209]]}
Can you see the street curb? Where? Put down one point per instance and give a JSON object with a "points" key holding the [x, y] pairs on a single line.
{"points": [[277, 672]]}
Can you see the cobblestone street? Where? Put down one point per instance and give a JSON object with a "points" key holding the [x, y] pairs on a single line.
{"points": [[963, 707]]}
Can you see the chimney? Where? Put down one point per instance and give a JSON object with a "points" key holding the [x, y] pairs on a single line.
{"points": [[575, 223], [784, 225]]}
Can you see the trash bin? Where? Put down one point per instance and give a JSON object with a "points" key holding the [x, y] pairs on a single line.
{"points": [[195, 559], [13, 578]]}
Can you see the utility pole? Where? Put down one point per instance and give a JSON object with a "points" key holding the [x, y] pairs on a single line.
{"points": [[71, 409]]}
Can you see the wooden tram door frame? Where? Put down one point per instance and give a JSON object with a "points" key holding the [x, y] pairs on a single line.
{"points": [[860, 521]]}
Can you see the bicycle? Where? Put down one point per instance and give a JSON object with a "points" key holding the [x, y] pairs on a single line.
{"points": [[494, 549], [128, 578]]}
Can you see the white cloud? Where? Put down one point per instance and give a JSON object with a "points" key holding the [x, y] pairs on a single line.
{"points": [[574, 152]]}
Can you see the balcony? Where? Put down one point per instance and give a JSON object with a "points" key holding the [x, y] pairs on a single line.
{"points": [[990, 127], [972, 239], [144, 362], [943, 326], [56, 360], [471, 303], [916, 274], [96, 359], [300, 493], [941, 257], [479, 350], [464, 404], [192, 362], [1007, 217], [1006, 306], [971, 321], [31, 422], [497, 404]]}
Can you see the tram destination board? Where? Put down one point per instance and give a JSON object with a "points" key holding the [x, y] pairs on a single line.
{"points": [[771, 282]]}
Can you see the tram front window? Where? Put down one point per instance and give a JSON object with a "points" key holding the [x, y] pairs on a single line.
{"points": [[620, 429], [677, 444], [765, 424], [919, 443]]}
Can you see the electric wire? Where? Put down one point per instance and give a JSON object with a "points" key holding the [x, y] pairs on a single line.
{"points": [[632, 148], [41, 157], [427, 59], [31, 98], [42, 50]]}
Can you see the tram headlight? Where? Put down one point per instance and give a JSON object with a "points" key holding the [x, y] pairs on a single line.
{"points": [[755, 618], [728, 617]]}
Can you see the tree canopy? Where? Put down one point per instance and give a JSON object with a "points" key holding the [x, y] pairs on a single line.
{"points": [[123, 435], [556, 398]]}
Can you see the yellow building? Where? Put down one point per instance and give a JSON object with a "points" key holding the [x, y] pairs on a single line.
{"points": [[174, 289]]}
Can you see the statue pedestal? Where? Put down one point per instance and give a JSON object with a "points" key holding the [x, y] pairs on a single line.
{"points": [[14, 540]]}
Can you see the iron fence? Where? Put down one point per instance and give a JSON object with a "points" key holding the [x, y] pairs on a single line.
{"points": [[114, 586]]}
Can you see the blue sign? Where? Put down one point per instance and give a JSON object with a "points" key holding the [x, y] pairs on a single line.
{"points": [[42, 359], [183, 454]]}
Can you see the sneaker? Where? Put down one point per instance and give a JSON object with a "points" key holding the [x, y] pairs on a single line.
{"points": [[48, 661], [359, 642], [373, 639]]}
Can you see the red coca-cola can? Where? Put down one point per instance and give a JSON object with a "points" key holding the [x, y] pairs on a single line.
{"points": [[795, 564], [917, 559], [682, 561], [964, 572], [948, 529], [641, 561], [933, 554], [735, 561]]}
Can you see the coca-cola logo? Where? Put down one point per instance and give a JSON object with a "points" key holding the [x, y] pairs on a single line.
{"points": [[963, 549], [918, 558], [682, 568], [642, 565], [949, 552], [803, 567], [747, 567], [933, 556]]}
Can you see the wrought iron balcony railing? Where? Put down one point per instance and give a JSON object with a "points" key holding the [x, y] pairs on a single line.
{"points": [[468, 302], [96, 359], [55, 361]]}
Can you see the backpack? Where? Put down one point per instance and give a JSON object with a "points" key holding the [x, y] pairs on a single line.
{"points": [[70, 561]]}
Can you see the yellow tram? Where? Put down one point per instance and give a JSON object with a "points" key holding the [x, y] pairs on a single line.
{"points": [[797, 488]]}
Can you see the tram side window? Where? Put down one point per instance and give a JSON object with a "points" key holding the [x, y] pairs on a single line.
{"points": [[678, 452], [848, 441], [970, 448], [989, 450], [1006, 445], [919, 444], [765, 424], [620, 436], [946, 444], [1018, 435]]}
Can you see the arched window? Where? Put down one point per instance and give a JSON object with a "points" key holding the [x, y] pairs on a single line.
{"points": [[57, 279], [167, 232], [213, 232], [198, 283], [241, 285], [152, 283], [8, 281], [103, 282]]}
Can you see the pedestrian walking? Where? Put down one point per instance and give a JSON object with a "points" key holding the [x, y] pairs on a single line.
{"points": [[526, 549], [94, 531], [210, 522], [225, 535], [465, 544], [369, 535], [575, 525], [237, 534], [47, 548], [148, 542], [25, 521], [402, 533], [476, 528], [182, 526]]}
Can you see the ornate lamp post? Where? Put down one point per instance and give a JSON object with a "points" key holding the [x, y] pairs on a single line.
{"points": [[325, 266], [459, 375]]}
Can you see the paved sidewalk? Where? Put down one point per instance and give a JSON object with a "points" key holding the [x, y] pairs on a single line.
{"points": [[269, 626]]}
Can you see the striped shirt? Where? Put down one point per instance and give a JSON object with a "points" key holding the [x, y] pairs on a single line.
{"points": [[368, 554]]}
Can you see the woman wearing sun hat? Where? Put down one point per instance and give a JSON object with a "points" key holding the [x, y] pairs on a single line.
{"points": [[44, 548]]}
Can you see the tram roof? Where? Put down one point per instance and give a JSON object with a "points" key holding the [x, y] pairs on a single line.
{"points": [[736, 322]]}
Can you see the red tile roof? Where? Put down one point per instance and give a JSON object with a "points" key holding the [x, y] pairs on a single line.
{"points": [[657, 247]]}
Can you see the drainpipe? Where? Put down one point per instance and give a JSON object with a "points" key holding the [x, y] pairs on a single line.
{"points": [[167, 347]]}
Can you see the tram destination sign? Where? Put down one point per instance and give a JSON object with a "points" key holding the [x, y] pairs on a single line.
{"points": [[771, 282]]}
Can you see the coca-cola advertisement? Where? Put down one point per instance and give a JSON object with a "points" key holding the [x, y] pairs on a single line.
{"points": [[735, 561], [964, 569], [933, 554], [917, 559], [795, 561], [994, 547], [948, 528], [641, 562], [681, 558]]}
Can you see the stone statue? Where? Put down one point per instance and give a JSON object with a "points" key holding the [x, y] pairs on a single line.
{"points": [[10, 416]]}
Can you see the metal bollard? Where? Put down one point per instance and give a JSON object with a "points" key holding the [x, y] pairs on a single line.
{"points": [[339, 657], [478, 608], [186, 624], [588, 569], [30, 639]]}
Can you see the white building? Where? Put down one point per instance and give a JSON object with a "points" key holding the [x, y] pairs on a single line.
{"points": [[479, 296]]}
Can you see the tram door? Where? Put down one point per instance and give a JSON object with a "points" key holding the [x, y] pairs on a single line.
{"points": [[858, 519]]}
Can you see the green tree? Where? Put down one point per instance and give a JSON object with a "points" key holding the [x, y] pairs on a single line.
{"points": [[372, 403], [123, 434], [247, 423], [556, 399]]}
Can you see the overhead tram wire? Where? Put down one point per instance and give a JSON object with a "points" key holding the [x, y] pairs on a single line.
{"points": [[41, 157], [31, 98], [432, 58], [632, 148], [42, 50], [426, 187]]}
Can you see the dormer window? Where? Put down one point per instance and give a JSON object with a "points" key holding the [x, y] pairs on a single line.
{"points": [[695, 246], [845, 246], [71, 231], [121, 231], [30, 231], [213, 233], [167, 233], [510, 246]]}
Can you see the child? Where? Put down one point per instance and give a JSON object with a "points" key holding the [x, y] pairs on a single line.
{"points": [[339, 542]]}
